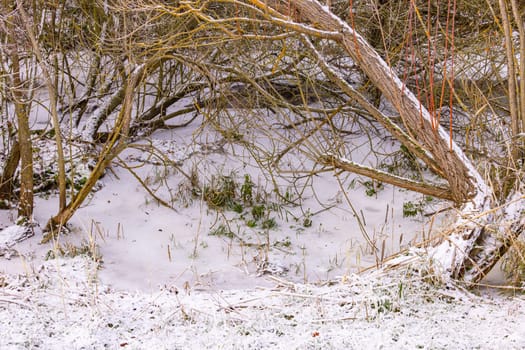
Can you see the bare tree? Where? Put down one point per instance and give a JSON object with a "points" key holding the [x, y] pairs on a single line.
{"points": [[23, 145], [312, 31], [52, 91]]}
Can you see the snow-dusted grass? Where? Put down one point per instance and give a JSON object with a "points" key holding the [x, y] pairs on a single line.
{"points": [[61, 305]]}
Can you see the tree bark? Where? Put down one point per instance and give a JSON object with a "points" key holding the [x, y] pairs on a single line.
{"points": [[8, 175], [52, 91], [424, 188]]}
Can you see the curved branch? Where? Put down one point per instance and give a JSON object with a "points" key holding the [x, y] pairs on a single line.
{"points": [[421, 187], [412, 145]]}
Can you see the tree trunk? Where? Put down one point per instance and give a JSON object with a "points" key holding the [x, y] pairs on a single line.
{"points": [[10, 166], [475, 244], [52, 90], [116, 143], [25, 206]]}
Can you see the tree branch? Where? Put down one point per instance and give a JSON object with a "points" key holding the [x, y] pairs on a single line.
{"points": [[424, 188]]}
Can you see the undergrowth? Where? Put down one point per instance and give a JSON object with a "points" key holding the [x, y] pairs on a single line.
{"points": [[253, 205]]}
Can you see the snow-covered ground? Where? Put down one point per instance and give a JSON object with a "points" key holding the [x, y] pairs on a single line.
{"points": [[168, 278], [144, 245], [62, 305]]}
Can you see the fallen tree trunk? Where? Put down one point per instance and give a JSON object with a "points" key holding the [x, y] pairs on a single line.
{"points": [[482, 233]]}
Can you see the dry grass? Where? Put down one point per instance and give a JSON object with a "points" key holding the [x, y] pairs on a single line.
{"points": [[513, 263]]}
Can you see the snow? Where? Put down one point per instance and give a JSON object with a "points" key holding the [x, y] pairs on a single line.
{"points": [[61, 305], [165, 283], [209, 291], [144, 245], [162, 281], [11, 235]]}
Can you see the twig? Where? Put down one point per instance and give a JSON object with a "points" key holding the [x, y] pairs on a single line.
{"points": [[9, 301], [151, 193]]}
